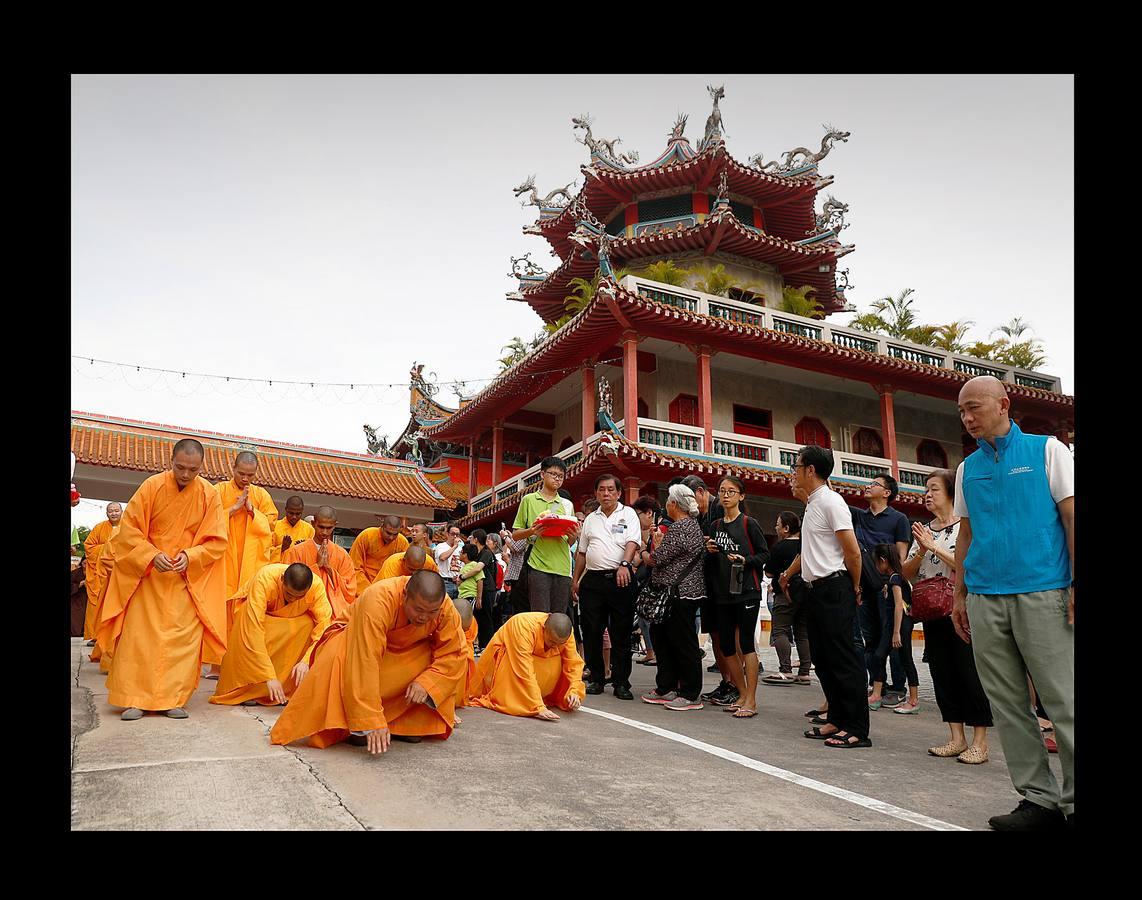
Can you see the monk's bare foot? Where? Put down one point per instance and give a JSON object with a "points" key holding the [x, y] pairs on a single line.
{"points": [[457, 721]]}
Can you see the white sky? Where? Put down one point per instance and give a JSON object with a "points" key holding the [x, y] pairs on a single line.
{"points": [[336, 229]]}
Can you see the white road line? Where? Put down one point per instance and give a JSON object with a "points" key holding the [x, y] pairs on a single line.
{"points": [[784, 774], [173, 762]]}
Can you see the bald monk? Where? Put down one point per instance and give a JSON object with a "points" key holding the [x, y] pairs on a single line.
{"points": [[251, 515], [389, 671], [419, 536], [372, 547], [278, 619], [291, 529], [165, 606], [411, 560], [329, 562], [92, 549], [529, 665], [470, 626]]}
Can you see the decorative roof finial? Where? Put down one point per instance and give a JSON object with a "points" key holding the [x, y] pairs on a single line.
{"points": [[549, 201], [714, 122], [802, 157], [843, 282], [531, 271], [679, 127], [603, 148], [378, 444], [831, 217]]}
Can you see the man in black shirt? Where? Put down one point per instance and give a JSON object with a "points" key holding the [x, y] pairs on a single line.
{"points": [[484, 622]]}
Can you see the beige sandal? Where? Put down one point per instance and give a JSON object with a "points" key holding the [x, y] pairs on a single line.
{"points": [[973, 756], [951, 748]]}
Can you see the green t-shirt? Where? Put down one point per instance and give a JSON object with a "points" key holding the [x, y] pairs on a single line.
{"points": [[469, 587], [548, 554]]}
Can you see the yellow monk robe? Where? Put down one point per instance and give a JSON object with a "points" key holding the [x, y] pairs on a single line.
{"points": [[160, 626], [517, 675], [362, 669], [340, 579], [93, 548], [393, 567], [302, 531], [248, 539], [464, 686], [369, 553], [270, 637]]}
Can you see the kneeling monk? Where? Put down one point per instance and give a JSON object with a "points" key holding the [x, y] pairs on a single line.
{"points": [[529, 665], [278, 618], [469, 625], [406, 563], [391, 671]]}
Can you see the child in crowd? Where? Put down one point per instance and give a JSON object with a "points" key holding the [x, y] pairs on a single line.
{"points": [[471, 575], [897, 598]]}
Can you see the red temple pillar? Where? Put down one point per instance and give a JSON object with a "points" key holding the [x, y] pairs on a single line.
{"points": [[630, 385], [497, 452], [473, 470], [888, 426], [632, 486], [705, 400], [588, 373]]}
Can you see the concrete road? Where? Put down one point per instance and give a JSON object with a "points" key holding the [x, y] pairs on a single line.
{"points": [[614, 765]]}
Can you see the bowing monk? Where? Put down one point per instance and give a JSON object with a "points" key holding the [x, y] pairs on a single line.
{"points": [[278, 618], [164, 610], [252, 515], [291, 529], [372, 547], [390, 672], [329, 562], [93, 548], [411, 560], [530, 665], [470, 626]]}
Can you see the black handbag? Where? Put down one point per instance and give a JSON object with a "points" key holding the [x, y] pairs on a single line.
{"points": [[654, 600]]}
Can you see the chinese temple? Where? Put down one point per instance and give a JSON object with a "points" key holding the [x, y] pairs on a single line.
{"points": [[652, 380]]}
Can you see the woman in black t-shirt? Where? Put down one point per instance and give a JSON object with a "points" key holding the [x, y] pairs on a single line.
{"points": [[737, 539]]}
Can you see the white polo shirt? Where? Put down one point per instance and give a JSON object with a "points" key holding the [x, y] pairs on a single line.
{"points": [[604, 538], [825, 514], [444, 555]]}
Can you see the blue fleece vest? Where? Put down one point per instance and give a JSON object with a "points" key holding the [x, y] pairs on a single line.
{"points": [[1018, 544]]}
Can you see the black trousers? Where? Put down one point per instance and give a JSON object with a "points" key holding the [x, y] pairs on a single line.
{"points": [[790, 623], [840, 669], [676, 648], [871, 625], [485, 623], [951, 663], [605, 605]]}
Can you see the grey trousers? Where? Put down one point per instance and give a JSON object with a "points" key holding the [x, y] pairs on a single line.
{"points": [[1013, 635]]}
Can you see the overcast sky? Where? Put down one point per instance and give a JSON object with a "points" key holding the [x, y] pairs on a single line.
{"points": [[337, 229]]}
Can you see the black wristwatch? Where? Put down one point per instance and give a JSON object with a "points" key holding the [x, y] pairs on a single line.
{"points": [[626, 563]]}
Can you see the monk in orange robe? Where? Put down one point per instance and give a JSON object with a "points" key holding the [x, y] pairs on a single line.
{"points": [[372, 547], [278, 619], [92, 549], [329, 562], [471, 627], [291, 529], [411, 560], [389, 672], [418, 536], [105, 566], [251, 517], [530, 665], [165, 606]]}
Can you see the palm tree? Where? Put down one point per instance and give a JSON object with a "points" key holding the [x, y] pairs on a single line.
{"points": [[583, 291], [1014, 329], [713, 280], [798, 302], [897, 313], [665, 272], [869, 322], [923, 334], [985, 349], [517, 350], [1026, 354], [950, 337]]}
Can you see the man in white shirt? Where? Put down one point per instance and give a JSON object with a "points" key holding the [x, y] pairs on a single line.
{"points": [[447, 554], [602, 583], [830, 565]]}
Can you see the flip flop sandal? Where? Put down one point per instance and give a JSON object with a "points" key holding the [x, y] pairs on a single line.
{"points": [[731, 709], [819, 720], [812, 712], [815, 734], [846, 744], [743, 713]]}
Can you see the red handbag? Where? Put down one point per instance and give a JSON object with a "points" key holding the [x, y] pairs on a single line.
{"points": [[931, 599]]}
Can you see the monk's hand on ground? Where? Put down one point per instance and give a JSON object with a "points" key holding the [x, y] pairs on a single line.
{"points": [[379, 740], [162, 562], [960, 618], [299, 672], [416, 693], [573, 701], [180, 562], [1071, 607], [276, 693], [547, 715]]}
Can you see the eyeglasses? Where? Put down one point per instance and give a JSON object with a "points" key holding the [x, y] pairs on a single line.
{"points": [[556, 474], [796, 466], [728, 493]]}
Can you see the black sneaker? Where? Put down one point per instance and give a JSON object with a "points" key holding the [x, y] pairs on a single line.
{"points": [[713, 668], [717, 692], [623, 693], [1028, 816], [595, 687], [729, 698]]}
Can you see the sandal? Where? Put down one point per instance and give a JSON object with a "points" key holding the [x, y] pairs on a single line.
{"points": [[804, 679], [648, 662], [844, 741], [973, 756], [951, 748], [819, 720], [779, 678], [815, 712], [742, 713], [875, 704], [815, 734]]}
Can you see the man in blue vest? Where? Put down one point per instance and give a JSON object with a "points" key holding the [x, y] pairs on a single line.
{"points": [[1014, 597]]}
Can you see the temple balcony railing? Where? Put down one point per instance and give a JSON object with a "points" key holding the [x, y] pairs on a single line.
{"points": [[841, 335]]}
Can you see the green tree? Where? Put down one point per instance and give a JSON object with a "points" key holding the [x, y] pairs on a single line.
{"points": [[951, 337], [517, 350], [1014, 329], [869, 322], [1026, 354], [985, 349], [712, 280], [897, 313], [583, 292], [666, 272], [798, 302]]}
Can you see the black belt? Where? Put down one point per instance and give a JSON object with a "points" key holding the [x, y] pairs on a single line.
{"points": [[606, 573], [809, 584]]}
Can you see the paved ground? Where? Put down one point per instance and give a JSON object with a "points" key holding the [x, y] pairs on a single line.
{"points": [[616, 765]]}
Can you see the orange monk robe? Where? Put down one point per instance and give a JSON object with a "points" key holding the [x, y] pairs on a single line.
{"points": [[106, 564], [362, 670], [93, 548], [160, 626], [464, 686], [517, 675], [302, 531], [393, 567], [340, 579], [369, 553], [249, 538], [270, 637]]}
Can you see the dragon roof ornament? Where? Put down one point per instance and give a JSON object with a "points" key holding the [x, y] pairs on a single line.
{"points": [[831, 218], [531, 271], [714, 130], [800, 158], [548, 202], [601, 148]]}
